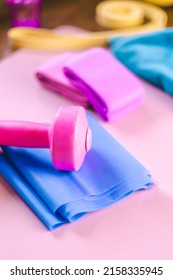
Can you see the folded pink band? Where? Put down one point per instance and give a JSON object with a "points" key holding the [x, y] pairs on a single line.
{"points": [[51, 76], [93, 77], [110, 87]]}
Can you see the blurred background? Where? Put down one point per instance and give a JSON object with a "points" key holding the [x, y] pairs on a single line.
{"points": [[61, 12]]}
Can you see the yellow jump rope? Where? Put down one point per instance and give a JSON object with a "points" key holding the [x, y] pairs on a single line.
{"points": [[121, 17]]}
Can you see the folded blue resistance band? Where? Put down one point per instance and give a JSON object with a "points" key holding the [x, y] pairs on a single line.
{"points": [[108, 174], [149, 56]]}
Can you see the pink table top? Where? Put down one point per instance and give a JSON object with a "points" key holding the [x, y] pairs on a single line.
{"points": [[138, 227]]}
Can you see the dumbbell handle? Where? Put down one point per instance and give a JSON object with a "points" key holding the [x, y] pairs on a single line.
{"points": [[68, 137], [24, 134]]}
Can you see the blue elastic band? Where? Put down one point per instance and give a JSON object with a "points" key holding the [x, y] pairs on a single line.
{"points": [[108, 174]]}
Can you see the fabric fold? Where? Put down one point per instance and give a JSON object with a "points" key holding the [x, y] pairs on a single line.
{"points": [[51, 76], [110, 87], [149, 56], [109, 174]]}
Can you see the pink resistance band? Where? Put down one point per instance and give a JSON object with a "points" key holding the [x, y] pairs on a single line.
{"points": [[51, 76], [110, 87]]}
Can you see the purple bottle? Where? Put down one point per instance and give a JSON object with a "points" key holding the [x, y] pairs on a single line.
{"points": [[25, 12]]}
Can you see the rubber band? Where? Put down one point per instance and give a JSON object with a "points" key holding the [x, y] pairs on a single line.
{"points": [[136, 53], [164, 3], [106, 12], [111, 89], [59, 197]]}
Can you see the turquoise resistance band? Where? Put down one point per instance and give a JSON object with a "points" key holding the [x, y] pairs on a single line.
{"points": [[150, 56]]}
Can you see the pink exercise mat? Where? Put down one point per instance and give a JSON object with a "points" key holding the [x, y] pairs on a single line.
{"points": [[139, 227]]}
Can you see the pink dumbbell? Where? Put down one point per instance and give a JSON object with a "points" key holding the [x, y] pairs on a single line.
{"points": [[68, 137]]}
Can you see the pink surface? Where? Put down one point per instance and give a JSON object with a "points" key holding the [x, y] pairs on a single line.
{"points": [[138, 227]]}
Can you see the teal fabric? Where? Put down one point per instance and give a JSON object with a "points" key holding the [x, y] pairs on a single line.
{"points": [[150, 56]]}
